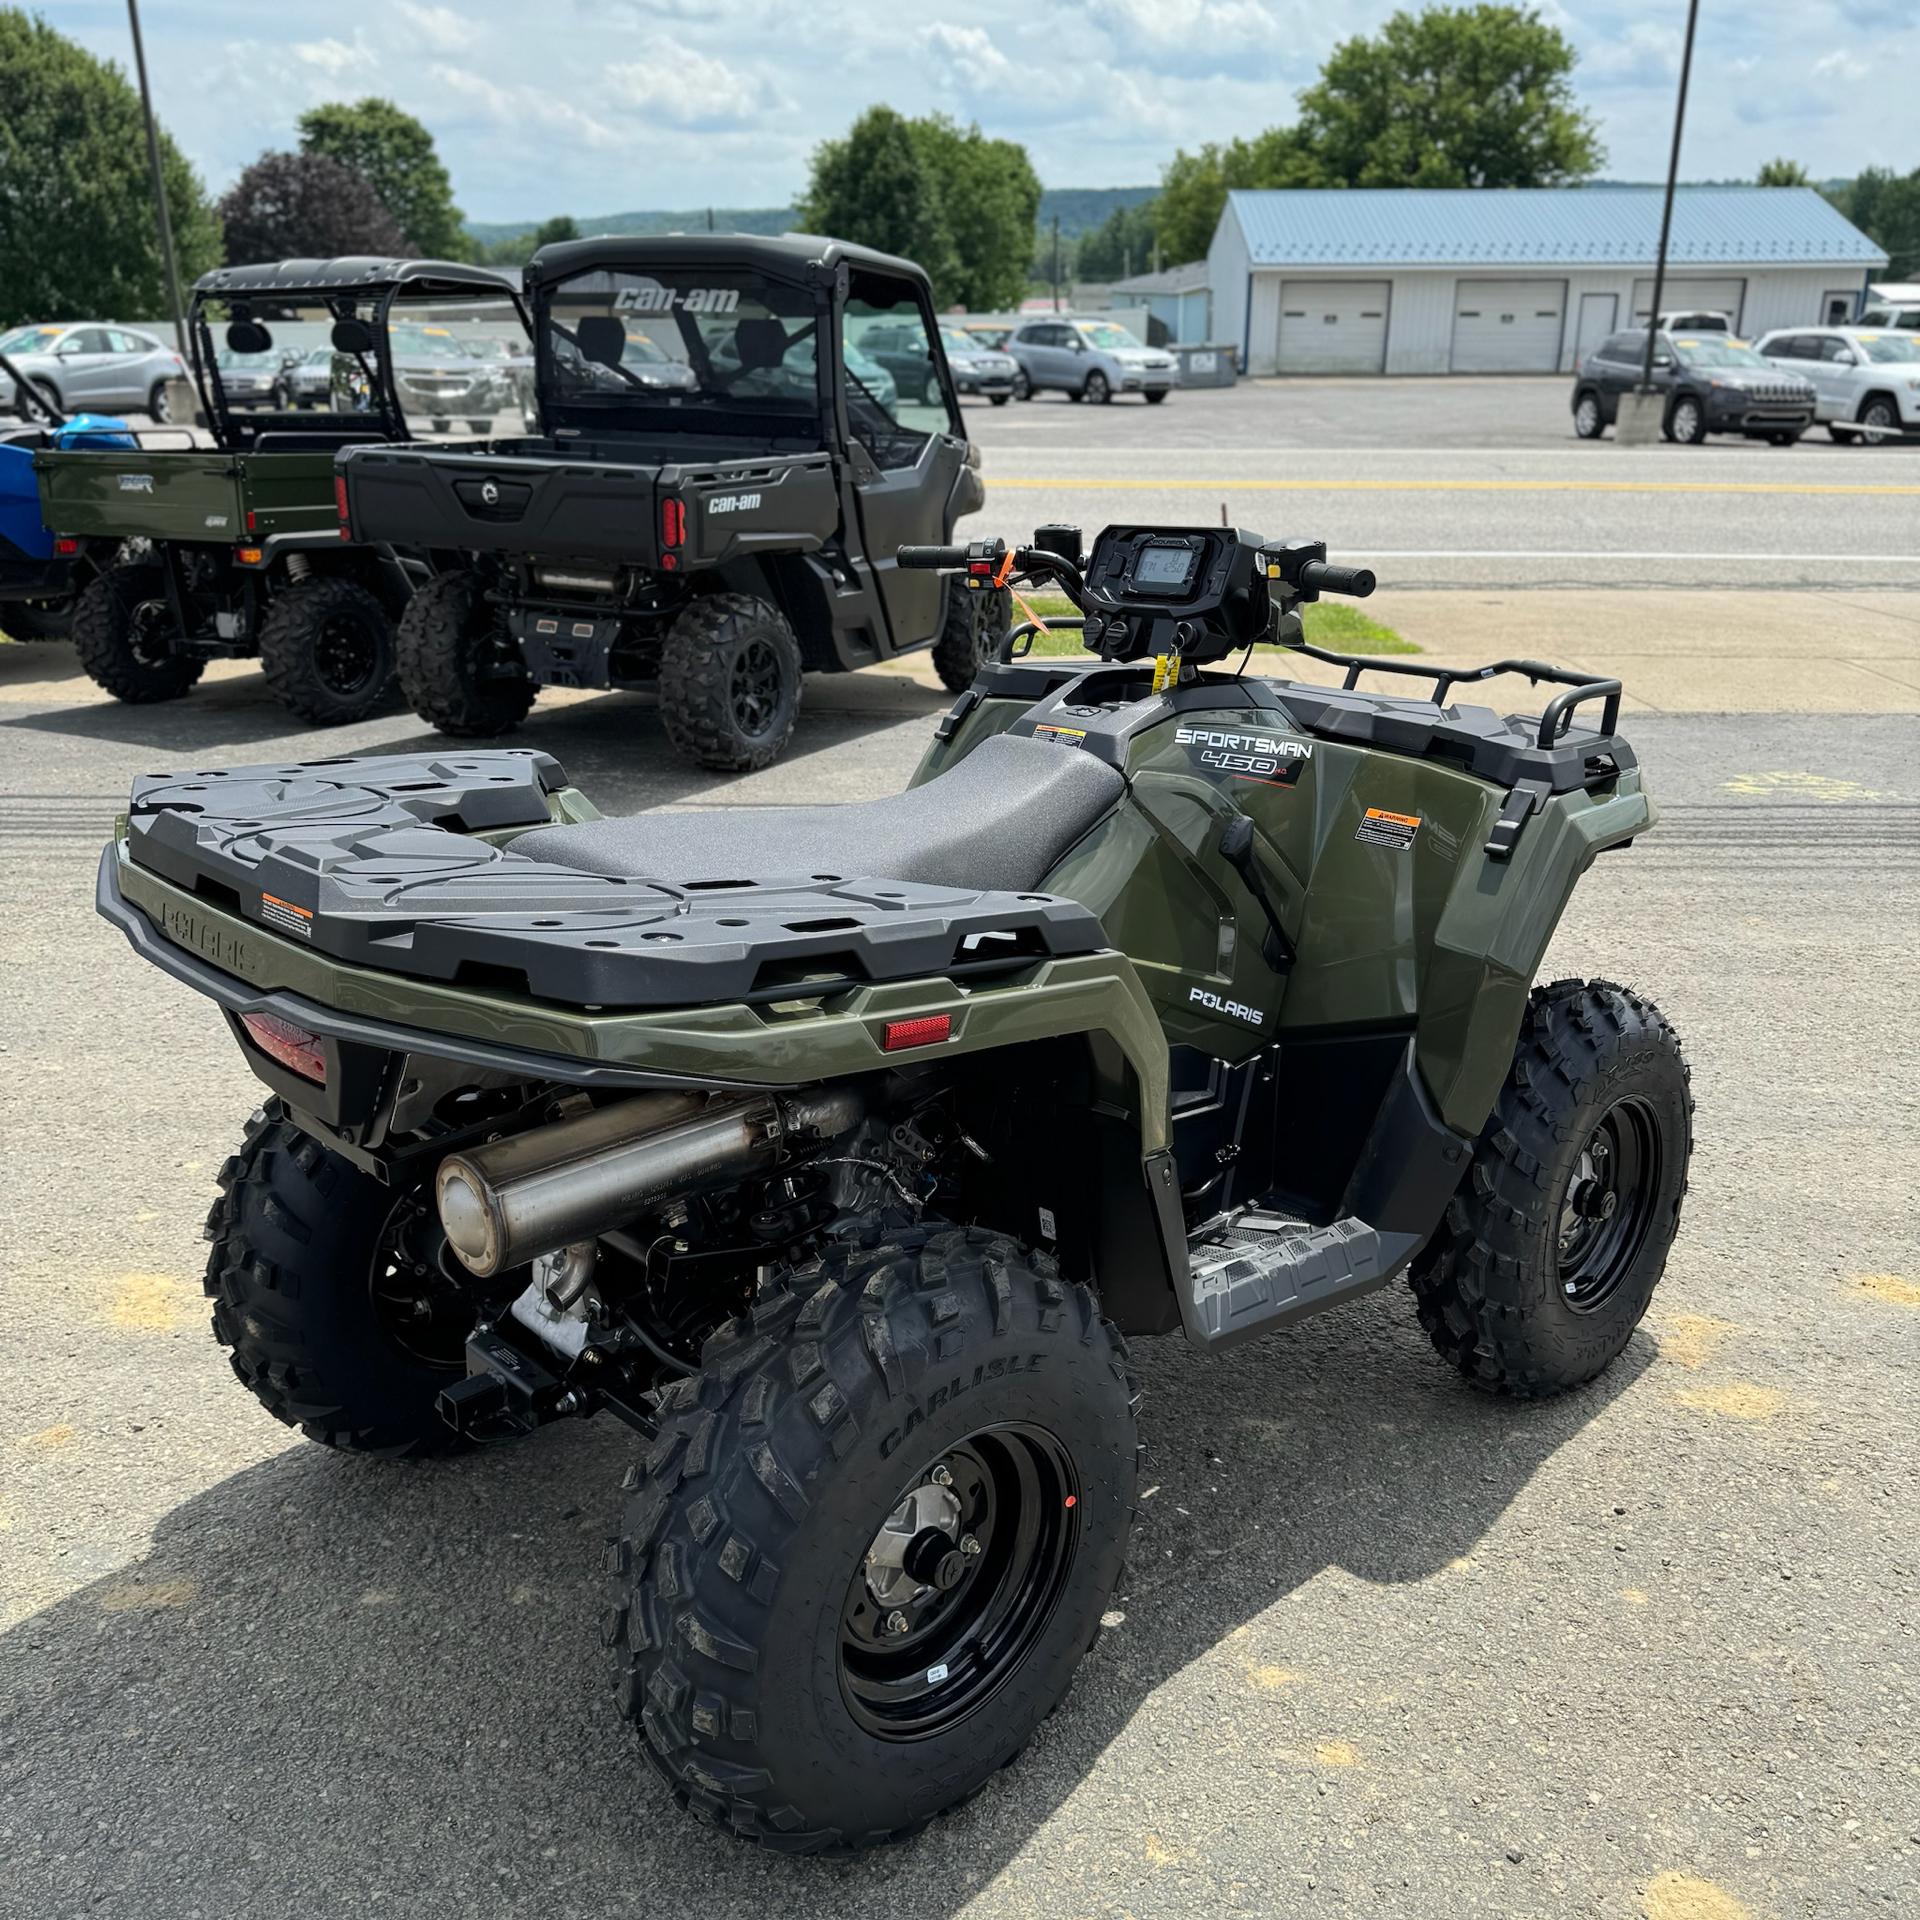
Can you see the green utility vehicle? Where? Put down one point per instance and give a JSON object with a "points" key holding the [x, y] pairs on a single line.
{"points": [[714, 507], [247, 555], [836, 1149]]}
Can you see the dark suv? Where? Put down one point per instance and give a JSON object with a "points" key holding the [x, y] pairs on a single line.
{"points": [[1712, 384]]}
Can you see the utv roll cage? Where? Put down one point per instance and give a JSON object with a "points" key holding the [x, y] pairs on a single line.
{"points": [[358, 291]]}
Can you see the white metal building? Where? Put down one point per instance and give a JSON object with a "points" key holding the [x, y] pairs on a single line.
{"points": [[1419, 281]]}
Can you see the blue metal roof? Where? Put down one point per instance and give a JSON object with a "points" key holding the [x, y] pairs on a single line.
{"points": [[1539, 226]]}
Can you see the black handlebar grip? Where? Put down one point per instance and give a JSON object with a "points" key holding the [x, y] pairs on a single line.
{"points": [[1355, 582], [931, 557]]}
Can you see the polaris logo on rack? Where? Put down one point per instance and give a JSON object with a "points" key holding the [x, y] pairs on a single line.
{"points": [[733, 503], [1201, 997], [668, 300]]}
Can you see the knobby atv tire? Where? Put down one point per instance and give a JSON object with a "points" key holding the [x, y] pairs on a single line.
{"points": [[1489, 1285], [773, 1470], [327, 649], [457, 663], [718, 653], [37, 619], [296, 1233], [112, 650], [971, 628]]}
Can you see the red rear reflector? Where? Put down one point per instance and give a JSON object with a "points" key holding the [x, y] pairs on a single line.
{"points": [[918, 1033], [250, 526], [249, 556], [294, 1047], [673, 523], [66, 546], [339, 500]]}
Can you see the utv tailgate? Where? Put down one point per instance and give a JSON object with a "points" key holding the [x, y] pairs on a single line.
{"points": [[581, 509], [204, 497]]}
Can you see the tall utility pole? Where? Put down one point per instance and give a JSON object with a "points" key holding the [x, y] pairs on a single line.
{"points": [[160, 194], [1666, 212], [1056, 263]]}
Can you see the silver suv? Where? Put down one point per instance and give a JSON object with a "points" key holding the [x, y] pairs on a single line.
{"points": [[1087, 360], [1867, 380], [84, 366]]}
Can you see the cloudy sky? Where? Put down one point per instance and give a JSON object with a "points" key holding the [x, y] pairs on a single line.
{"points": [[600, 106]]}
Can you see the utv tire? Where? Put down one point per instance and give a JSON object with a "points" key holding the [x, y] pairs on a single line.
{"points": [[318, 1276], [123, 633], [37, 619], [459, 670], [781, 1697], [974, 624], [730, 683], [327, 649], [1550, 1251]]}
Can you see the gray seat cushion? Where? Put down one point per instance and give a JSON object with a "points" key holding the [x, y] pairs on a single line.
{"points": [[996, 822]]}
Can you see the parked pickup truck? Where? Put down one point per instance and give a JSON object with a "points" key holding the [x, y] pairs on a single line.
{"points": [[246, 549], [713, 505]]}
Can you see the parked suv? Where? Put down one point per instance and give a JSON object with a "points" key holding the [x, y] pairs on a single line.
{"points": [[89, 367], [1864, 379], [1087, 360], [1712, 382]]}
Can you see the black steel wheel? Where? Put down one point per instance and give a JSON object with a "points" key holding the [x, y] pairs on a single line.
{"points": [[327, 649], [874, 1538], [1549, 1253], [335, 1296], [730, 677], [127, 638]]}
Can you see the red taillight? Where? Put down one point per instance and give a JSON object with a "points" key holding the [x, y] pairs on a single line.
{"points": [[250, 526], [918, 1033], [339, 500], [63, 545], [673, 523], [294, 1047]]}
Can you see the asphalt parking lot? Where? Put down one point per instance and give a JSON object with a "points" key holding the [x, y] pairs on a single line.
{"points": [[1385, 1647]]}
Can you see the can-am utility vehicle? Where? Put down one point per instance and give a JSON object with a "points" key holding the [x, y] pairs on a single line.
{"points": [[247, 555], [836, 1148], [715, 504], [41, 573]]}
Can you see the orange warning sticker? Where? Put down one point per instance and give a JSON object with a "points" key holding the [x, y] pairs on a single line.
{"points": [[286, 916], [1379, 828]]}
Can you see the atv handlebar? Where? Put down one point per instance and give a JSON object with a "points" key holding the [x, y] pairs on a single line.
{"points": [[930, 557], [1354, 582]]}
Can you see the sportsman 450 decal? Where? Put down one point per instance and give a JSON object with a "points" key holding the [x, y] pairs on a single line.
{"points": [[1273, 759]]}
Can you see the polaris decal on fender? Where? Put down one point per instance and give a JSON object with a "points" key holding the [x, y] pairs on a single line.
{"points": [[1201, 997], [1276, 762], [940, 1396]]}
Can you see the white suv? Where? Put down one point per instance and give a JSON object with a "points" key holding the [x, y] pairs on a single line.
{"points": [[1867, 381], [1087, 360]]}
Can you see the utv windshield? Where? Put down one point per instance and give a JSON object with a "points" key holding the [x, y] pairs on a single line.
{"points": [[1717, 352], [682, 350]]}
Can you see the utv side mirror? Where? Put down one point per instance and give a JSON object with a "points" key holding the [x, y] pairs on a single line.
{"points": [[249, 336], [352, 336]]}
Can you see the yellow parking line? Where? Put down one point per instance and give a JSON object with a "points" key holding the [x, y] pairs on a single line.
{"points": [[1441, 486]]}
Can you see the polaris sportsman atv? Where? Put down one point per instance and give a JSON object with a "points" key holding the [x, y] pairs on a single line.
{"points": [[715, 507], [835, 1149], [42, 574], [247, 555]]}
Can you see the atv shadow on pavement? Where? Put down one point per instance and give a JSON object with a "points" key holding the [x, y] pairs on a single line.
{"points": [[335, 1682]]}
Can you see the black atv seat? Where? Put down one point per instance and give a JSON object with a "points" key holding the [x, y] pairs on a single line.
{"points": [[997, 822]]}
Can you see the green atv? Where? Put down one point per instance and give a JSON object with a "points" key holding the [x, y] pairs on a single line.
{"points": [[836, 1149], [245, 551]]}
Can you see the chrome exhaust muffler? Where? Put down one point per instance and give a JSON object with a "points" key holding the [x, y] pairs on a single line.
{"points": [[515, 1200]]}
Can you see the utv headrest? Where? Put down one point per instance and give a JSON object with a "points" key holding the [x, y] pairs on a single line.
{"points": [[760, 344], [602, 338], [249, 336]]}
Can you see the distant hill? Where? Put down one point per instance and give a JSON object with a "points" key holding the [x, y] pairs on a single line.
{"points": [[1080, 209]]}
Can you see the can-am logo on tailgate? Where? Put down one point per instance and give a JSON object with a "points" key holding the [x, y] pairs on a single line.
{"points": [[733, 503], [672, 300]]}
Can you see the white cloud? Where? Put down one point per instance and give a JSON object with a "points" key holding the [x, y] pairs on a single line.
{"points": [[526, 107], [970, 55], [440, 28], [335, 58], [689, 89]]}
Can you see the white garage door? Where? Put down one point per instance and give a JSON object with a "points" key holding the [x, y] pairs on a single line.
{"points": [[1333, 326], [1685, 290], [1508, 326]]}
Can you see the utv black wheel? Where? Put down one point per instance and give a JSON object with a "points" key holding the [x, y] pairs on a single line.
{"points": [[327, 649], [332, 1293], [459, 668], [730, 683], [126, 637], [973, 626], [874, 1539], [1550, 1252]]}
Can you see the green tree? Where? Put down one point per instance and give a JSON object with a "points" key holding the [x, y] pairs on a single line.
{"points": [[395, 155], [303, 206], [1782, 173], [875, 188], [1885, 206], [1121, 244], [78, 235], [989, 195], [1473, 96]]}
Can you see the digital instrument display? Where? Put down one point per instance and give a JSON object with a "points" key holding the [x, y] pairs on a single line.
{"points": [[1163, 566]]}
